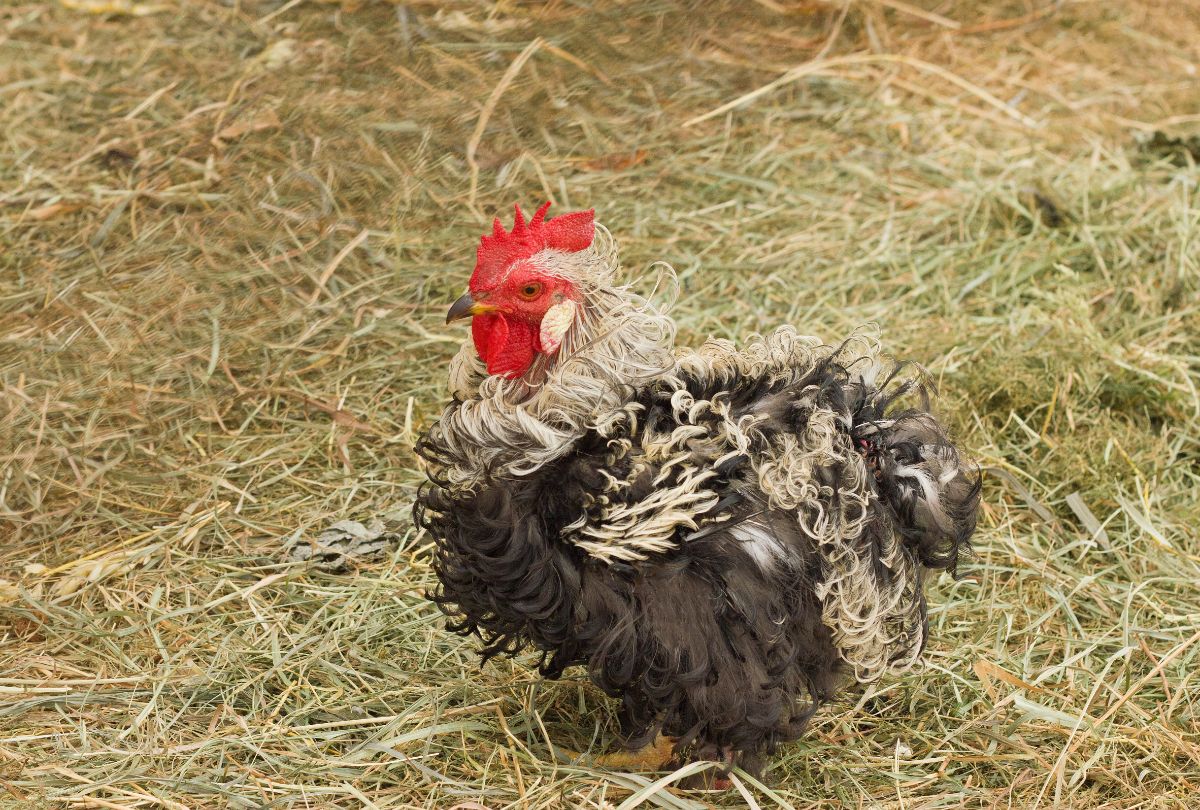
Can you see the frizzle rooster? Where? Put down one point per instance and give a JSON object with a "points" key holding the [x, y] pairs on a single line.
{"points": [[722, 536]]}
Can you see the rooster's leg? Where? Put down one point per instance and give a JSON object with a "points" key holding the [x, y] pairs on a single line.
{"points": [[713, 778]]}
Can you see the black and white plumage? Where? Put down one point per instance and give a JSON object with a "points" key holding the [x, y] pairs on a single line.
{"points": [[720, 536]]}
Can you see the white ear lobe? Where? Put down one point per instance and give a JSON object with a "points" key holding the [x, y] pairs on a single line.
{"points": [[555, 323]]}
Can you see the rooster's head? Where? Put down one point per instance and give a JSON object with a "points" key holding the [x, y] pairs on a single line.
{"points": [[523, 297]]}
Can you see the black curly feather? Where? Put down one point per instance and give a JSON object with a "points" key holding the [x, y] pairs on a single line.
{"points": [[699, 643]]}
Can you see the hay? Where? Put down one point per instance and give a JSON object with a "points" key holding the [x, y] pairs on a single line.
{"points": [[228, 233]]}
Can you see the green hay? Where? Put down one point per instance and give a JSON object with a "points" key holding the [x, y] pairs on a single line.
{"points": [[227, 239]]}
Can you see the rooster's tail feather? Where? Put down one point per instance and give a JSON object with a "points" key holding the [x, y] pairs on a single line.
{"points": [[930, 489]]}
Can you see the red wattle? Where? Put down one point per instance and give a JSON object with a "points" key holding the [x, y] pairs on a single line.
{"points": [[488, 331], [507, 347]]}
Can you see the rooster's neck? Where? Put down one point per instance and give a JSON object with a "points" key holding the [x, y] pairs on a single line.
{"points": [[497, 427]]}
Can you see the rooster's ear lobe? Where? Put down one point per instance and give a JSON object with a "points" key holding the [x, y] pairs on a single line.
{"points": [[572, 232], [555, 324]]}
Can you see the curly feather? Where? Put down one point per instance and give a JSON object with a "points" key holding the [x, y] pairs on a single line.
{"points": [[717, 535]]}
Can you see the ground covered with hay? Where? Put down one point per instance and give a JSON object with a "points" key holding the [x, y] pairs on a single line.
{"points": [[229, 232]]}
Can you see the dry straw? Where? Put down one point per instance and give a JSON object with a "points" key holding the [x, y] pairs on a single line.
{"points": [[228, 232]]}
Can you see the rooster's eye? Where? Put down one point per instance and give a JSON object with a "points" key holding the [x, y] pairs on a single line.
{"points": [[531, 291]]}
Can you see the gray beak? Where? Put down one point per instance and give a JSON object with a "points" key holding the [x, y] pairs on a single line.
{"points": [[464, 307]]}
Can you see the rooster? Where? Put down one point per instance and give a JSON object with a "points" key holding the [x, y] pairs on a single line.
{"points": [[722, 536]]}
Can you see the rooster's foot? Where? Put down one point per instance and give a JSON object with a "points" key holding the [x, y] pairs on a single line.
{"points": [[653, 757]]}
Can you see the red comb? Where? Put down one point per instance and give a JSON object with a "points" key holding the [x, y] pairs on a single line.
{"points": [[499, 249]]}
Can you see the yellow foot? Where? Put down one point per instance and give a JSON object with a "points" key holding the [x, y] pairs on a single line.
{"points": [[651, 758]]}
